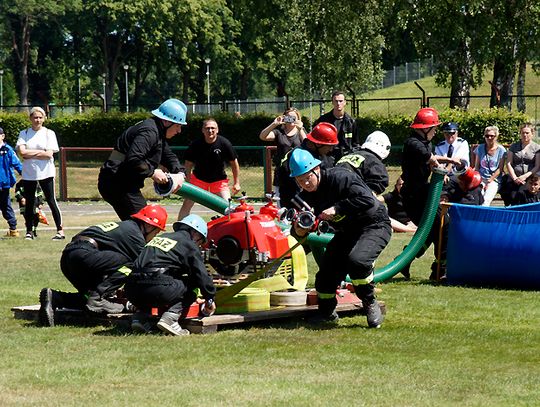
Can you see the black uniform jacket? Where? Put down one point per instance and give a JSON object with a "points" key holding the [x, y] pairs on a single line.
{"points": [[182, 258], [123, 237], [369, 166], [145, 148], [347, 192]]}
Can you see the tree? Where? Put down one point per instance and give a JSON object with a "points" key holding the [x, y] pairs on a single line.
{"points": [[22, 17]]}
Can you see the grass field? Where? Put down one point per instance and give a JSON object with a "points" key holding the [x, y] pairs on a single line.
{"points": [[438, 346]]}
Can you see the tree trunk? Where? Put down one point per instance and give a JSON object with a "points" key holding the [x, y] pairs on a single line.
{"points": [[461, 79], [503, 76], [21, 51], [522, 70]]}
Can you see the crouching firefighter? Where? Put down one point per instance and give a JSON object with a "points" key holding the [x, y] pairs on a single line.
{"points": [[362, 227], [97, 262], [166, 274]]}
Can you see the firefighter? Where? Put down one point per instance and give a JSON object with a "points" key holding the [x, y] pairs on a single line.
{"points": [[138, 154], [368, 161], [167, 272], [416, 164], [362, 227], [97, 262], [320, 142]]}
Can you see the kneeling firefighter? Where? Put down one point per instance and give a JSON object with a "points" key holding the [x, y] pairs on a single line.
{"points": [[167, 272], [97, 262], [362, 227]]}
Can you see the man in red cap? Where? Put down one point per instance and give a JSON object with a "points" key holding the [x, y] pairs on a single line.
{"points": [[97, 262]]}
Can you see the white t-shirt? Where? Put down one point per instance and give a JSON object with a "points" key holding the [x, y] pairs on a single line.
{"points": [[44, 139]]}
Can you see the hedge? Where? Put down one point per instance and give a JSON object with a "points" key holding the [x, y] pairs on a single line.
{"points": [[101, 130]]}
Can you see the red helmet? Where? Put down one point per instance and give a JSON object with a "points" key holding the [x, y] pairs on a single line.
{"points": [[425, 118], [470, 178], [324, 133], [154, 215]]}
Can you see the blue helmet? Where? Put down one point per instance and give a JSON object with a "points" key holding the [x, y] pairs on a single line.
{"points": [[172, 110], [302, 162], [450, 127], [195, 222]]}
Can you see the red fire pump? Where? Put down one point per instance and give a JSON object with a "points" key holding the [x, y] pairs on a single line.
{"points": [[243, 241]]}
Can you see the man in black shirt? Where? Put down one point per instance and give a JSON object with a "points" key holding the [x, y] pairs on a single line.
{"points": [[137, 155], [205, 161], [344, 123], [362, 231], [97, 262]]}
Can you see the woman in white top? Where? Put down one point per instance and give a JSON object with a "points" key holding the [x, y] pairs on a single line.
{"points": [[36, 145], [490, 162]]}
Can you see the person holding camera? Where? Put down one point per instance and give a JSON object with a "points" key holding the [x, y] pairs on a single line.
{"points": [[362, 231], [287, 130]]}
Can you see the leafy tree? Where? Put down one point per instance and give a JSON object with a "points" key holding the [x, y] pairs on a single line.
{"points": [[22, 17]]}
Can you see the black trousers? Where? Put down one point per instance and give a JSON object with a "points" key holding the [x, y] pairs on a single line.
{"points": [[353, 253], [150, 290], [47, 186], [125, 201], [90, 269]]}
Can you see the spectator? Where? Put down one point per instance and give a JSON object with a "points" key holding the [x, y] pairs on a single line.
{"points": [[97, 262], [320, 142], [368, 161], [343, 122], [166, 274], [530, 194], [453, 146], [490, 162], [205, 165], [8, 162], [287, 130], [416, 164], [399, 219], [39, 216], [138, 154], [362, 227], [36, 145], [522, 161]]}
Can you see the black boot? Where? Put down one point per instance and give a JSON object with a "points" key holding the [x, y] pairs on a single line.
{"points": [[374, 315], [46, 309]]}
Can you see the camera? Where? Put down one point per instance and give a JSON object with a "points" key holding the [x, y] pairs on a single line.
{"points": [[289, 119]]}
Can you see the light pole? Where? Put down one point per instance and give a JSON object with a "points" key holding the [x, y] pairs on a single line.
{"points": [[104, 93], [310, 96], [79, 91], [2, 89], [126, 67], [207, 61]]}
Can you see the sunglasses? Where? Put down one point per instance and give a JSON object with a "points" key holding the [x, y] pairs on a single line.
{"points": [[490, 136]]}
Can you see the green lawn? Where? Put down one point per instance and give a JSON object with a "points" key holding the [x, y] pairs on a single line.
{"points": [[438, 346]]}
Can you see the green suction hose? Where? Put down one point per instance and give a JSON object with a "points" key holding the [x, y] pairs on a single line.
{"points": [[319, 242], [203, 197]]}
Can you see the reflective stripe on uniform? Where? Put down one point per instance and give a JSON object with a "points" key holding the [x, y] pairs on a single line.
{"points": [[363, 281], [125, 270], [325, 296], [354, 160]]}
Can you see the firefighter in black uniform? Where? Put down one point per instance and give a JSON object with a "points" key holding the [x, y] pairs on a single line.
{"points": [[362, 227], [167, 272], [368, 161], [320, 142], [343, 122], [137, 155], [417, 162], [97, 262]]}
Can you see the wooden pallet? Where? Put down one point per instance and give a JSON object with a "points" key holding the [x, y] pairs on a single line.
{"points": [[195, 325]]}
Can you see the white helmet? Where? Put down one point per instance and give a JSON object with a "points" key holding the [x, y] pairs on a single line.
{"points": [[379, 143]]}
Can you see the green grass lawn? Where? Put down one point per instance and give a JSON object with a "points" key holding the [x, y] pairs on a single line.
{"points": [[438, 346]]}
